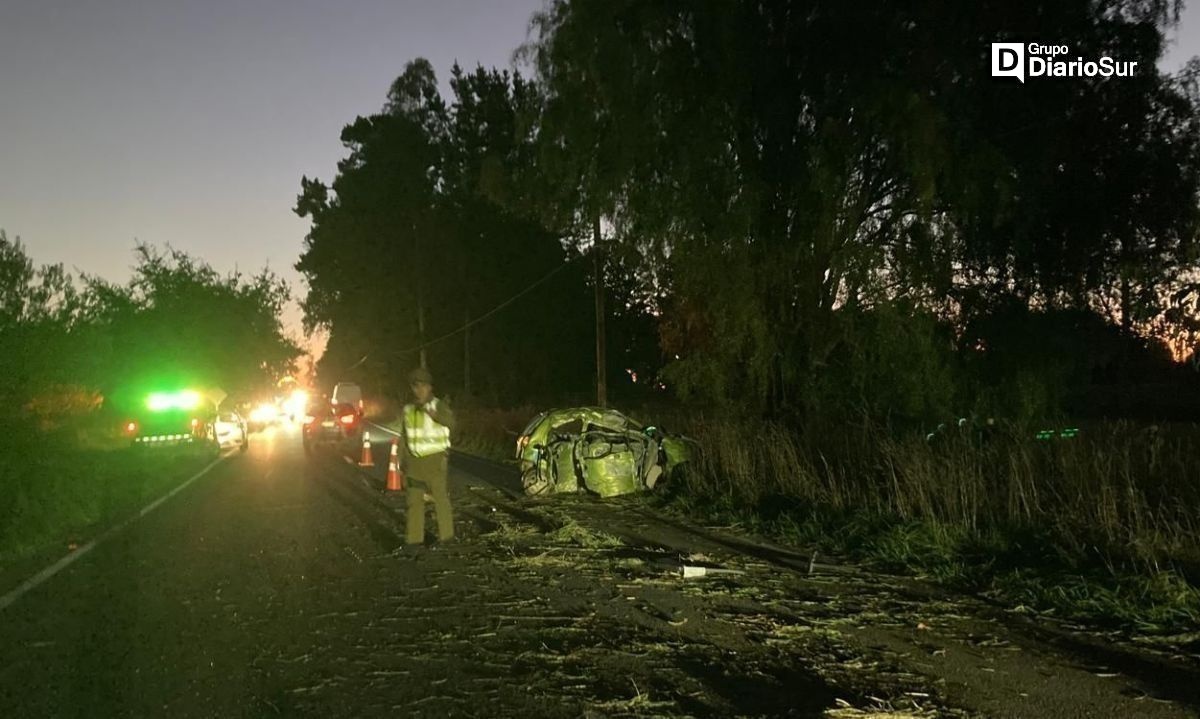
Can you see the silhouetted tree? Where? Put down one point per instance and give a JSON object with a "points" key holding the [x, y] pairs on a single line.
{"points": [[783, 163], [431, 215]]}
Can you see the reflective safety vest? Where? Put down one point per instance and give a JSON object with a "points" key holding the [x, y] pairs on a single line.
{"points": [[424, 436]]}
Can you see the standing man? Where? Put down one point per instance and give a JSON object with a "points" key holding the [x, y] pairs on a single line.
{"points": [[428, 422]]}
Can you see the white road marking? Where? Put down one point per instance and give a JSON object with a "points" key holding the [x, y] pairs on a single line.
{"points": [[66, 561]]}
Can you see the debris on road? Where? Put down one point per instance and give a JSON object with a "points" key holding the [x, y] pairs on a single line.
{"points": [[690, 571]]}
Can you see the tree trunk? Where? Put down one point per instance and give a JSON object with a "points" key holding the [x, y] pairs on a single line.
{"points": [[466, 352]]}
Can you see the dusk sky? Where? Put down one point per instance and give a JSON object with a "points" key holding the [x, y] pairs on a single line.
{"points": [[191, 123]]}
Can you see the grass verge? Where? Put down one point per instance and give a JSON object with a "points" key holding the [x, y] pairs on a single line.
{"points": [[1023, 569], [51, 496]]}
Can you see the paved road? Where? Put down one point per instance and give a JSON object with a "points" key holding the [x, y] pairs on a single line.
{"points": [[272, 587]]}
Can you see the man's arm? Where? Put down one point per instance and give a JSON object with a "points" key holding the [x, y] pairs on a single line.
{"points": [[441, 413]]}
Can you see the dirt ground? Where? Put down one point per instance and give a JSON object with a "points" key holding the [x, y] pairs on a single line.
{"points": [[277, 586]]}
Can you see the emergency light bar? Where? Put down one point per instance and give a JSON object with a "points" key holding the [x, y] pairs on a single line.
{"points": [[165, 401]]}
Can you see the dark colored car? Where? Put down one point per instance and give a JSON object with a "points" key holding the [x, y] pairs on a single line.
{"points": [[173, 419], [330, 424], [348, 393], [174, 428]]}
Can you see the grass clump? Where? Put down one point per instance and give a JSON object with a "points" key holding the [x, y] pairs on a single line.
{"points": [[573, 532]]}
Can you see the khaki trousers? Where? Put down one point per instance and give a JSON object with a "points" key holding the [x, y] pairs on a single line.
{"points": [[427, 475]]}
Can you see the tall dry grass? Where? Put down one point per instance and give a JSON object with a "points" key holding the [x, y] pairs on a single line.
{"points": [[1124, 492]]}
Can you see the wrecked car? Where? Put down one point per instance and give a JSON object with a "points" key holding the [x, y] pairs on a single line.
{"points": [[596, 450]]}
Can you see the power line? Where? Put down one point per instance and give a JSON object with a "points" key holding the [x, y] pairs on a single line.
{"points": [[497, 308]]}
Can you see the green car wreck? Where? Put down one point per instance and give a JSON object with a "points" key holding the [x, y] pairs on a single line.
{"points": [[596, 450]]}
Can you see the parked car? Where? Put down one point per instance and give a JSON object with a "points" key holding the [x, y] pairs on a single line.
{"points": [[596, 450], [330, 424], [232, 429]]}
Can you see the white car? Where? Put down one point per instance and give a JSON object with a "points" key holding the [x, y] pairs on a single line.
{"points": [[231, 429]]}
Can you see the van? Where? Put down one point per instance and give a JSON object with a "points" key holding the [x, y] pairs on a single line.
{"points": [[347, 393]]}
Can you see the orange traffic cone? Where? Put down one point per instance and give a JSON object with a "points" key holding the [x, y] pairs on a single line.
{"points": [[366, 460], [395, 478]]}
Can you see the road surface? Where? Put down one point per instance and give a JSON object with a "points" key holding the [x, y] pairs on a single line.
{"points": [[273, 586]]}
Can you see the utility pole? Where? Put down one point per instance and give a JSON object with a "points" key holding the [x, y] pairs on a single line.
{"points": [[598, 281], [421, 325], [467, 352], [420, 305]]}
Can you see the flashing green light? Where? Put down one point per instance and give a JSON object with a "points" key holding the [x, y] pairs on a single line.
{"points": [[163, 401]]}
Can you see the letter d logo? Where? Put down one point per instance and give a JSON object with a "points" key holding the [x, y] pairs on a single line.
{"points": [[1008, 60]]}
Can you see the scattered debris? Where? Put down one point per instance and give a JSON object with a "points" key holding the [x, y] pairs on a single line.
{"points": [[688, 571]]}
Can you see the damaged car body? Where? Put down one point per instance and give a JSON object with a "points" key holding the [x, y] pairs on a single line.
{"points": [[596, 450]]}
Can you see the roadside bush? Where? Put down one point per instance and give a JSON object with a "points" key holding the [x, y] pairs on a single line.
{"points": [[895, 364], [63, 405]]}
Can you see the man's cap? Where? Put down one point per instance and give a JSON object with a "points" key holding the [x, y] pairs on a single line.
{"points": [[420, 374]]}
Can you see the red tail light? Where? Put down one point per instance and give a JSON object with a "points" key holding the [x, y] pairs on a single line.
{"points": [[309, 419], [195, 423], [348, 419], [131, 427]]}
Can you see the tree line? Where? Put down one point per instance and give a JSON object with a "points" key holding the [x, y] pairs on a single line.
{"points": [[804, 210], [72, 348]]}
